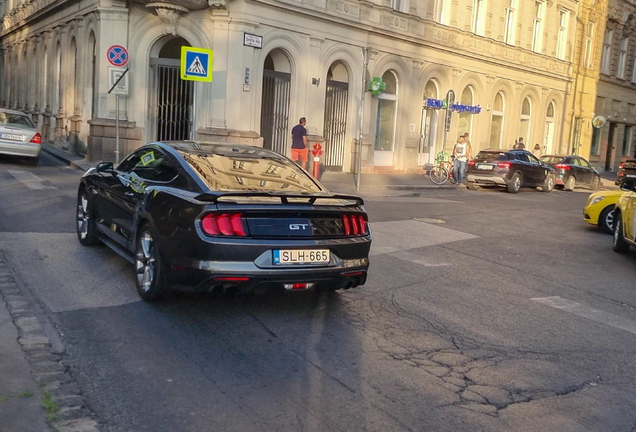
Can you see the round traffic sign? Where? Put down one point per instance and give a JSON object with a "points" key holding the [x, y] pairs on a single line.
{"points": [[117, 55]]}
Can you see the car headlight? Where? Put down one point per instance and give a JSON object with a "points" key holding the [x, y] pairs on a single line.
{"points": [[597, 199]]}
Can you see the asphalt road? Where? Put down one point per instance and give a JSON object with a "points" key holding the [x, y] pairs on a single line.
{"points": [[483, 311]]}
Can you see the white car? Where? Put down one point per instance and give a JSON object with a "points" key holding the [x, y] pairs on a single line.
{"points": [[18, 136]]}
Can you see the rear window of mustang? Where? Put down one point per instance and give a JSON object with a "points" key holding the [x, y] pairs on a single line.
{"points": [[9, 119], [245, 171], [491, 156]]}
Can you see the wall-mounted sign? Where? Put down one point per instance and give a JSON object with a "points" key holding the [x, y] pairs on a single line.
{"points": [[246, 87], [441, 104], [377, 86], [118, 81], [196, 64], [117, 55], [252, 40], [598, 122], [247, 76]]}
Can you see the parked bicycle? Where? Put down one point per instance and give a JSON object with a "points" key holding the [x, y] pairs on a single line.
{"points": [[443, 169]]}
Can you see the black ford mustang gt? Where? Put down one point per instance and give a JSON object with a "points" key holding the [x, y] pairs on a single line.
{"points": [[222, 216]]}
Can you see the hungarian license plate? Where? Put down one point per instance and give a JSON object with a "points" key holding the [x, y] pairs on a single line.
{"points": [[484, 167], [302, 256], [12, 137]]}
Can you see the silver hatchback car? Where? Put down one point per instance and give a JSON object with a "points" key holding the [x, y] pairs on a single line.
{"points": [[18, 136]]}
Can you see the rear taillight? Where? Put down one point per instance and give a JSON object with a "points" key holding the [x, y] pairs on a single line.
{"points": [[621, 166], [224, 224], [471, 162], [354, 225], [562, 166], [505, 165], [37, 139]]}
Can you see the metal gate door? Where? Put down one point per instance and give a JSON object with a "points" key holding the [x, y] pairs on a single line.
{"points": [[174, 103], [335, 124], [275, 110]]}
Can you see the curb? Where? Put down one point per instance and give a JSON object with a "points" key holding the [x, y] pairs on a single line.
{"points": [[60, 155], [47, 367]]}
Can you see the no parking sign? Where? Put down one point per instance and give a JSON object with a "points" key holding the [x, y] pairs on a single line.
{"points": [[117, 55]]}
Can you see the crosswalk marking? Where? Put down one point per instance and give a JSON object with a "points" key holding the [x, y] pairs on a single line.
{"points": [[589, 313], [396, 236], [31, 180]]}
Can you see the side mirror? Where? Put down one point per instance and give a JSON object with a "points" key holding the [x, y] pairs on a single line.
{"points": [[627, 185], [104, 167]]}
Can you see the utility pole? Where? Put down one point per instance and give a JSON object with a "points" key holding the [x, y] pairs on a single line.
{"points": [[365, 53]]}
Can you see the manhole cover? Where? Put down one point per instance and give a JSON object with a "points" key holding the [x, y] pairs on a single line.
{"points": [[429, 220]]}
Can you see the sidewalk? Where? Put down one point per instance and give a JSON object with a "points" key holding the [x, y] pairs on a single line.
{"points": [[371, 185]]}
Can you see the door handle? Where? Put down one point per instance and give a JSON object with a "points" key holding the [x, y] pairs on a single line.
{"points": [[130, 194]]}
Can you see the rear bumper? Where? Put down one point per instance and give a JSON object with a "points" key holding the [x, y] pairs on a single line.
{"points": [[20, 149], [246, 277], [481, 179]]}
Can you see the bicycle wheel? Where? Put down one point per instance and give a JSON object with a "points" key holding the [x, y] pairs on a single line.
{"points": [[438, 175]]}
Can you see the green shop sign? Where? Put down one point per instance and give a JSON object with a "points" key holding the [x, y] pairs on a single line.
{"points": [[377, 86]]}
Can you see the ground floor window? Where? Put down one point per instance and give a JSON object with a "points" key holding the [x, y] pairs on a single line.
{"points": [[627, 139], [387, 110], [596, 138]]}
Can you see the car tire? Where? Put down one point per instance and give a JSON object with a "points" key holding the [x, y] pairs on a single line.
{"points": [[548, 184], [619, 244], [472, 186], [596, 183], [570, 184], [84, 223], [606, 220], [515, 183], [149, 269]]}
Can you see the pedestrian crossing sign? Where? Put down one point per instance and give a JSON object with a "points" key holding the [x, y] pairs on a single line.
{"points": [[196, 64]]}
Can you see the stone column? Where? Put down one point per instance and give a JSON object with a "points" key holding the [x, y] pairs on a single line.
{"points": [[217, 113]]}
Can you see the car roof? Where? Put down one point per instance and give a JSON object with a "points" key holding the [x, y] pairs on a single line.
{"points": [[10, 111]]}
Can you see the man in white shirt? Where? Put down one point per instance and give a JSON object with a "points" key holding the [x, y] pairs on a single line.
{"points": [[462, 153]]}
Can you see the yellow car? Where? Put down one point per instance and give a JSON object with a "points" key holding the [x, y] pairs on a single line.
{"points": [[624, 218], [599, 209]]}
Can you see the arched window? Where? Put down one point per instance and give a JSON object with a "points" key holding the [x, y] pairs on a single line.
{"points": [[497, 121], [524, 127], [466, 118], [58, 79], [92, 63], [45, 76], [385, 125], [428, 127], [548, 139], [74, 77]]}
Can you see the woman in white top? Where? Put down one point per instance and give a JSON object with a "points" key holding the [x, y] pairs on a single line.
{"points": [[537, 151]]}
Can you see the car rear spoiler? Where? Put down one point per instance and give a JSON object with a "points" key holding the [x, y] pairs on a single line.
{"points": [[285, 198]]}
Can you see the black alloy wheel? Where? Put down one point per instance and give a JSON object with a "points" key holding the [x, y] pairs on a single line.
{"points": [[570, 184], [148, 266], [606, 219], [515, 183], [619, 244], [84, 221], [548, 184]]}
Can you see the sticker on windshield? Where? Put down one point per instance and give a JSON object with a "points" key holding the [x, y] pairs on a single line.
{"points": [[147, 158]]}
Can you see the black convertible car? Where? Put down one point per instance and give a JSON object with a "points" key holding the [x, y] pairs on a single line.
{"points": [[221, 216]]}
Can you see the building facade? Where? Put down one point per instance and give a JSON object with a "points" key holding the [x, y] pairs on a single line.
{"points": [[508, 62], [605, 89]]}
